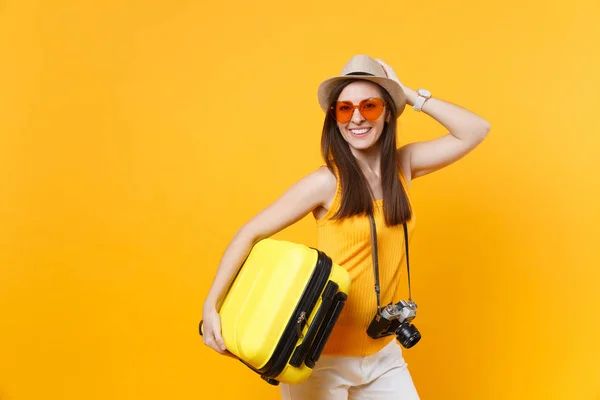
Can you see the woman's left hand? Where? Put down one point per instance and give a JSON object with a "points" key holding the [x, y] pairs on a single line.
{"points": [[411, 95], [390, 72]]}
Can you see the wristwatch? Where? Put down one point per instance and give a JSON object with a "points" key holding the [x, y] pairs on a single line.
{"points": [[424, 95]]}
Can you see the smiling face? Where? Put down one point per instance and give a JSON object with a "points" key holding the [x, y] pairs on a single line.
{"points": [[360, 133]]}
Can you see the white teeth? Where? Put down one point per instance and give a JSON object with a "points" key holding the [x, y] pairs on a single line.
{"points": [[359, 131]]}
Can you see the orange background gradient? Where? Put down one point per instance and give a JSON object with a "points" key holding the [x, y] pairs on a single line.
{"points": [[136, 138]]}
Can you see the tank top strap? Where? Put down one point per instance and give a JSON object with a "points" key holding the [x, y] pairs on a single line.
{"points": [[337, 199]]}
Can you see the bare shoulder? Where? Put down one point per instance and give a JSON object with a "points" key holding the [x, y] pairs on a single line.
{"points": [[326, 180], [319, 185], [328, 183], [311, 192]]}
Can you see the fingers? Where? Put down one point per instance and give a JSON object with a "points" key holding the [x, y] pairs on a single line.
{"points": [[211, 329], [212, 336], [218, 338], [210, 341], [389, 72], [384, 65]]}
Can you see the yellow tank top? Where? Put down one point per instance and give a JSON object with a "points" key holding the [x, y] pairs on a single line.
{"points": [[348, 243]]}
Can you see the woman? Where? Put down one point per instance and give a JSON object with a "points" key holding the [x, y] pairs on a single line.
{"points": [[365, 175]]}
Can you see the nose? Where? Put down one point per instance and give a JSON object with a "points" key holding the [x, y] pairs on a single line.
{"points": [[357, 117]]}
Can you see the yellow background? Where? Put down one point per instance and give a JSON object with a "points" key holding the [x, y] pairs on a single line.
{"points": [[136, 137]]}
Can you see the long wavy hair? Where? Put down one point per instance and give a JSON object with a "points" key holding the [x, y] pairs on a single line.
{"points": [[356, 193]]}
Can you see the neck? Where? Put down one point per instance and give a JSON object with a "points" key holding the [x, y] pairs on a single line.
{"points": [[369, 160]]}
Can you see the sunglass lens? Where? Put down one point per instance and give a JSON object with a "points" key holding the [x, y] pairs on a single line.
{"points": [[371, 109], [343, 111]]}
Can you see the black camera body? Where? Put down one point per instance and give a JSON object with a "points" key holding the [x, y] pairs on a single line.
{"points": [[395, 319]]}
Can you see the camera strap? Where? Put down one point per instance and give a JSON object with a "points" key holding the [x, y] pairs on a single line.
{"points": [[376, 261]]}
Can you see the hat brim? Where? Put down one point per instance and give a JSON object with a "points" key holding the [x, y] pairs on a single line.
{"points": [[391, 86]]}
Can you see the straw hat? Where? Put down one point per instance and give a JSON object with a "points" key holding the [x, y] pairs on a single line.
{"points": [[365, 68]]}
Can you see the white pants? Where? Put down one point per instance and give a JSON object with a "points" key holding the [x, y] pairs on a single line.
{"points": [[383, 375]]}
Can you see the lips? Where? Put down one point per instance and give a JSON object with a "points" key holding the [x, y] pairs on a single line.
{"points": [[360, 132]]}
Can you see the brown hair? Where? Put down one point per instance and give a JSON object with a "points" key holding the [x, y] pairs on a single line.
{"points": [[356, 192]]}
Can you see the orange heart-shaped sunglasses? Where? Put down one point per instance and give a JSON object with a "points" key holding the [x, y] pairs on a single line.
{"points": [[370, 108]]}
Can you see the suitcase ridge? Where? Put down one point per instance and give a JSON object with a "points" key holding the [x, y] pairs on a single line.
{"points": [[301, 351], [318, 344]]}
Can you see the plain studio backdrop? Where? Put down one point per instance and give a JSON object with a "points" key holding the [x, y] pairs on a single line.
{"points": [[137, 137]]}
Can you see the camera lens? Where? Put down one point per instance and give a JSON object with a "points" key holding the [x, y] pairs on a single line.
{"points": [[408, 335]]}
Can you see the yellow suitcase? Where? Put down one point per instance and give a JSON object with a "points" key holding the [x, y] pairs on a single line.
{"points": [[280, 309]]}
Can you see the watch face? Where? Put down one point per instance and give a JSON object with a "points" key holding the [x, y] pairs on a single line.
{"points": [[424, 92]]}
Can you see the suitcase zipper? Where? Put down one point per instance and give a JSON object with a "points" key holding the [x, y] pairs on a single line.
{"points": [[327, 298], [290, 336], [300, 324]]}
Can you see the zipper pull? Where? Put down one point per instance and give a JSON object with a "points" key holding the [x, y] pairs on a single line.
{"points": [[300, 323]]}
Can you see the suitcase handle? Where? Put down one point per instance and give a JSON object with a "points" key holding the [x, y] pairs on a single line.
{"points": [[314, 353], [302, 351]]}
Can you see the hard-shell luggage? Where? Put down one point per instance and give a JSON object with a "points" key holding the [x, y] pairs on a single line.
{"points": [[280, 309]]}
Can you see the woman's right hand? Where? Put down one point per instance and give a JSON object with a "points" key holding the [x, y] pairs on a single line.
{"points": [[211, 331]]}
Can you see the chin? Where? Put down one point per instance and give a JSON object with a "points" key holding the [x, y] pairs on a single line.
{"points": [[360, 144]]}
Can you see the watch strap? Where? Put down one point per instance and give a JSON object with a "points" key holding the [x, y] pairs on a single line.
{"points": [[419, 103]]}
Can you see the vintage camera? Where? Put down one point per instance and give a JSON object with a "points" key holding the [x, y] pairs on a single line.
{"points": [[395, 319]]}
